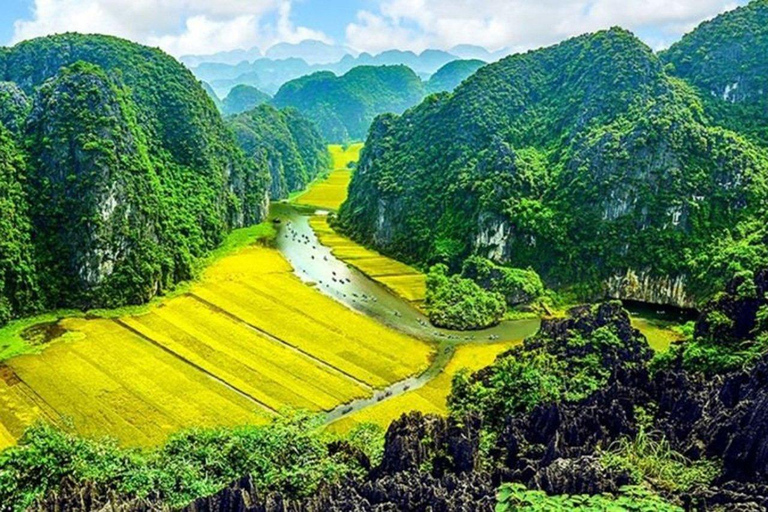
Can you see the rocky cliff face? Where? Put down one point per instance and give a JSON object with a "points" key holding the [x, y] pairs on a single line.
{"points": [[131, 173], [19, 292], [292, 147], [725, 59], [100, 191], [14, 107], [585, 161], [644, 287]]}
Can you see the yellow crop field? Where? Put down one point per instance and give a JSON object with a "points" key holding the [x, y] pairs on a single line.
{"points": [[405, 281], [270, 371], [19, 407], [245, 342], [330, 192], [431, 398], [109, 381]]}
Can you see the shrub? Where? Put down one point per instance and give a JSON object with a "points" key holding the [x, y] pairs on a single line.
{"points": [[512, 497], [518, 286], [289, 455], [454, 302]]}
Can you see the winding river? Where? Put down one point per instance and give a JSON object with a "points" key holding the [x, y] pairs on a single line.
{"points": [[315, 264]]}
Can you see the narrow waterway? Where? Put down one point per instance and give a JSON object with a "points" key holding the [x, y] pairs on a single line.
{"points": [[315, 264]]}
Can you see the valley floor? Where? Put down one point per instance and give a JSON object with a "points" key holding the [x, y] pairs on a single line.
{"points": [[245, 342], [330, 192], [248, 340]]}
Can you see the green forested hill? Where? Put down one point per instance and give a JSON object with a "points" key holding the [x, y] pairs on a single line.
{"points": [[291, 146], [129, 172], [344, 107], [448, 77], [725, 58], [242, 98], [18, 280], [583, 160]]}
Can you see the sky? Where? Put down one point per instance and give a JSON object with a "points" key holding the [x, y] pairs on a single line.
{"points": [[183, 27]]}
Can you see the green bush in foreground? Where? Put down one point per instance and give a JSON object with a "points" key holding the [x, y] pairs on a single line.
{"points": [[513, 497], [289, 455], [649, 458], [454, 302]]}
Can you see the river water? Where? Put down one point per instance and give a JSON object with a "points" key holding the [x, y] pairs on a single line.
{"points": [[314, 264]]}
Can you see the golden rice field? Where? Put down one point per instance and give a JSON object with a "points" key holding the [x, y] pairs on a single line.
{"points": [[431, 398], [331, 191], [402, 279], [245, 342]]}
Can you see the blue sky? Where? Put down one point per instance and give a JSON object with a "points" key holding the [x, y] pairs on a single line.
{"points": [[11, 11], [206, 26]]}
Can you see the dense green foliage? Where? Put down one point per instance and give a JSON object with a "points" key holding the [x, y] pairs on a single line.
{"points": [[725, 59], [242, 98], [515, 497], [130, 173], [211, 94], [556, 364], [344, 106], [454, 302], [581, 161], [731, 333], [517, 286], [18, 280], [649, 458], [292, 147], [448, 77], [14, 107], [289, 455]]}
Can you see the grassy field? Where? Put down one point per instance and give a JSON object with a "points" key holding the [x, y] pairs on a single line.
{"points": [[330, 191], [239, 345], [660, 334], [403, 280], [431, 398]]}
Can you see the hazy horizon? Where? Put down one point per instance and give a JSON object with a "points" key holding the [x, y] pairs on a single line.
{"points": [[194, 27]]}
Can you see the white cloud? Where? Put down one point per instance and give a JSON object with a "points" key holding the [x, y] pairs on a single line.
{"points": [[178, 26], [520, 24]]}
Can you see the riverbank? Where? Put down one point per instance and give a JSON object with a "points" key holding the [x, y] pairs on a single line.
{"points": [[245, 341]]}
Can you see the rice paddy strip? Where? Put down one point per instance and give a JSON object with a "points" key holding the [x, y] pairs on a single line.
{"points": [[18, 408], [329, 345], [430, 398], [403, 280], [246, 341], [331, 191], [271, 371], [112, 382]]}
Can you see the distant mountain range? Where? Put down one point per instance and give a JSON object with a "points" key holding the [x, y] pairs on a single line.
{"points": [[343, 106], [284, 62]]}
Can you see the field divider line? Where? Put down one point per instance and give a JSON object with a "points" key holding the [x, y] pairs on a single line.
{"points": [[316, 320], [195, 366], [46, 409], [271, 337]]}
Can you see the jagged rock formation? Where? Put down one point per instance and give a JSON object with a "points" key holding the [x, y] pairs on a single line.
{"points": [[585, 161], [432, 463], [130, 173], [292, 147]]}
